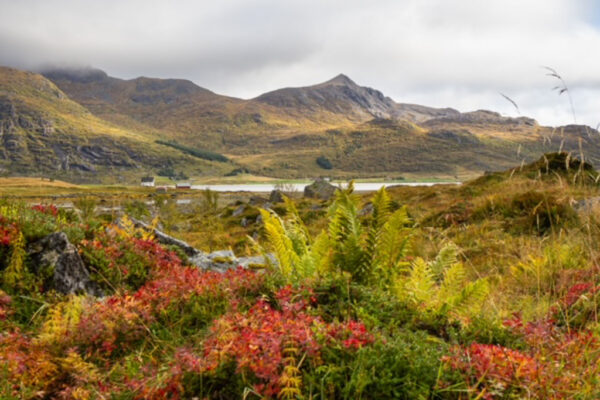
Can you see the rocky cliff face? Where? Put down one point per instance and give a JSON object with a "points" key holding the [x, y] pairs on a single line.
{"points": [[30, 141], [43, 132]]}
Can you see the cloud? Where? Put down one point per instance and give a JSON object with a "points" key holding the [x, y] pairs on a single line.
{"points": [[457, 53]]}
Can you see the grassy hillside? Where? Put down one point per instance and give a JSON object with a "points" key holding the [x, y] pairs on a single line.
{"points": [[44, 132], [357, 129]]}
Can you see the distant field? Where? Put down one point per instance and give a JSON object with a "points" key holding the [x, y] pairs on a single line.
{"points": [[28, 182]]}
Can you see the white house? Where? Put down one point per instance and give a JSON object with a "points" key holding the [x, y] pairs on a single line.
{"points": [[147, 181]]}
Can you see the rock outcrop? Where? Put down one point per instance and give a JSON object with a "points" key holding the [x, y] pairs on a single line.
{"points": [[320, 189], [276, 196], [68, 272], [220, 261]]}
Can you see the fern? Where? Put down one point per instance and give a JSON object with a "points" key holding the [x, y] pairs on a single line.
{"points": [[77, 368], [16, 275], [280, 243], [441, 286], [291, 377], [62, 318], [418, 287], [392, 245], [471, 298], [371, 252], [447, 256]]}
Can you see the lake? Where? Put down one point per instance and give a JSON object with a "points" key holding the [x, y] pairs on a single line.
{"points": [[268, 187]]}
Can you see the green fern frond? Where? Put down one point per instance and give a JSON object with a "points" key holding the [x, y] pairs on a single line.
{"points": [[471, 298], [393, 242], [321, 251], [418, 287], [280, 243], [447, 257], [382, 205], [453, 281]]}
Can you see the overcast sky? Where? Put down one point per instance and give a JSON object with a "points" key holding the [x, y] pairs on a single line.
{"points": [[456, 53]]}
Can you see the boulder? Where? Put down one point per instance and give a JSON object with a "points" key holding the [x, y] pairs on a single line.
{"points": [[366, 210], [69, 273], [238, 211], [257, 261], [220, 260], [320, 189], [276, 196], [165, 239], [587, 205], [257, 201]]}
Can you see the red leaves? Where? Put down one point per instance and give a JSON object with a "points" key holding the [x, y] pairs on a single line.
{"points": [[353, 335], [557, 364], [49, 209], [26, 362], [115, 323], [257, 340], [8, 233], [5, 309], [495, 366]]}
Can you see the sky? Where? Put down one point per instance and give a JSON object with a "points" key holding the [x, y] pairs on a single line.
{"points": [[443, 53]]}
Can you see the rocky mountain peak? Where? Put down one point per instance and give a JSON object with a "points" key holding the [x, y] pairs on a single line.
{"points": [[341, 79], [76, 75]]}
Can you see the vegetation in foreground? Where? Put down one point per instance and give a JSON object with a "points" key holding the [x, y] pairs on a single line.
{"points": [[484, 291]]}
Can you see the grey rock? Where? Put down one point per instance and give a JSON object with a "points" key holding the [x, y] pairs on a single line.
{"points": [[276, 196], [163, 238], [257, 200], [366, 210], [587, 205], [221, 254], [320, 189], [238, 211], [220, 260], [247, 262], [244, 222], [70, 274]]}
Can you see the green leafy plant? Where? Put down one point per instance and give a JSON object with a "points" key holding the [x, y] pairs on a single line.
{"points": [[441, 286], [372, 251]]}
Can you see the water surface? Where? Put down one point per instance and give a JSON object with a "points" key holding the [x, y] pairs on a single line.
{"points": [[268, 187]]}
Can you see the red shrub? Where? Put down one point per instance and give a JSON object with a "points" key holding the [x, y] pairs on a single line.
{"points": [[5, 309], [256, 341], [49, 209]]}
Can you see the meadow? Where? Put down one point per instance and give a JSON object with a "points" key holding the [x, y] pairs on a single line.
{"points": [[487, 290]]}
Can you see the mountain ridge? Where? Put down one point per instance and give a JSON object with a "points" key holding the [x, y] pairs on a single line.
{"points": [[42, 131], [281, 133]]}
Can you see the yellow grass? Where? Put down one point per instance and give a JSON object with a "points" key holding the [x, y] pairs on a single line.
{"points": [[34, 182]]}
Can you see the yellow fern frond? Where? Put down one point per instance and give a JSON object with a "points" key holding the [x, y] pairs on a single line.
{"points": [[15, 275], [452, 283], [62, 318], [418, 287], [447, 257], [280, 243]]}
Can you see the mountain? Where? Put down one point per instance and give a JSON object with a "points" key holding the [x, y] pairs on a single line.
{"points": [[336, 128], [42, 131], [339, 95]]}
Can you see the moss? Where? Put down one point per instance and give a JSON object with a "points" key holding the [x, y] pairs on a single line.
{"points": [[256, 266], [222, 260]]}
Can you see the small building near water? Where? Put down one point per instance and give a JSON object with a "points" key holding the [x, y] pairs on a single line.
{"points": [[183, 185], [147, 181]]}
